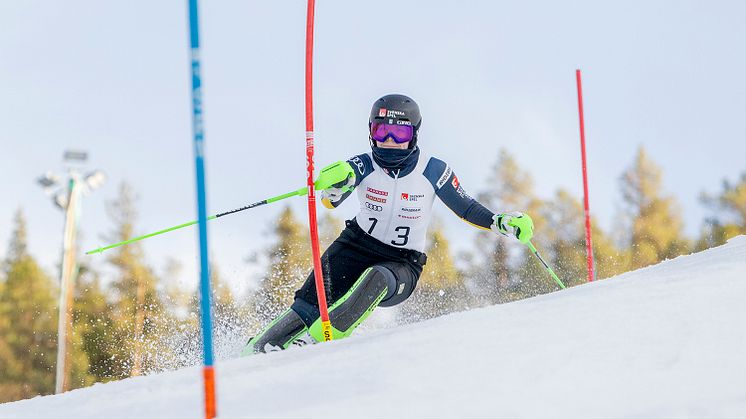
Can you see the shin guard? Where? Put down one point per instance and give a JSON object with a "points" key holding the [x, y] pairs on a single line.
{"points": [[375, 284]]}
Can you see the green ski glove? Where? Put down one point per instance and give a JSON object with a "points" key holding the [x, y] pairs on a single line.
{"points": [[339, 175], [516, 224]]}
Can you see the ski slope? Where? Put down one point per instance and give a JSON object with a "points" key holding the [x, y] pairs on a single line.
{"points": [[664, 341]]}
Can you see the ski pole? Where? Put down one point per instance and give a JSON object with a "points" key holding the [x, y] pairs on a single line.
{"points": [[551, 272], [299, 192]]}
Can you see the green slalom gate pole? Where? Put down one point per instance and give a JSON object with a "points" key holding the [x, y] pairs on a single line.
{"points": [[551, 272], [300, 192]]}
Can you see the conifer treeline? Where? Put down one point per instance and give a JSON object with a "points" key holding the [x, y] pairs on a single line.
{"points": [[136, 321]]}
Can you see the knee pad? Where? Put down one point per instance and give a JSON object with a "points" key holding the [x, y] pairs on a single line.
{"points": [[402, 280]]}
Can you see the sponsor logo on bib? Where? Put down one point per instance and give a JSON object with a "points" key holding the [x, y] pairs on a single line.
{"points": [[375, 198], [411, 197], [377, 192], [373, 207]]}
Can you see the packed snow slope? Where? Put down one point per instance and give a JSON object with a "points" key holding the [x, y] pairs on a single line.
{"points": [[664, 341]]}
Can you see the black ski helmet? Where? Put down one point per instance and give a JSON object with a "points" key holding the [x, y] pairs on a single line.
{"points": [[395, 109]]}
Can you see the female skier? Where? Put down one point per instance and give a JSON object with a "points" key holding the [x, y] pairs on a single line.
{"points": [[378, 258]]}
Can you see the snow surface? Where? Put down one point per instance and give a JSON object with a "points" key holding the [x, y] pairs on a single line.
{"points": [[664, 341]]}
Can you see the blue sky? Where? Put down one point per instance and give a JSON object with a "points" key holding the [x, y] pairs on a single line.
{"points": [[112, 78]]}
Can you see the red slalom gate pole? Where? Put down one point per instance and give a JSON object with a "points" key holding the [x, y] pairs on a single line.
{"points": [[588, 242], [318, 274]]}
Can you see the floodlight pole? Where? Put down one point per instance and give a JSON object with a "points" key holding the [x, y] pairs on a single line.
{"points": [[67, 283], [68, 199]]}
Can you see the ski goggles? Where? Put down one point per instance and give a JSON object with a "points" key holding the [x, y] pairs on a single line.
{"points": [[399, 133]]}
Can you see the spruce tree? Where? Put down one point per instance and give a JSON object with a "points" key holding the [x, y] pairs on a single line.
{"points": [[93, 326], [28, 322], [137, 304], [729, 219], [566, 244], [9, 364], [558, 225], [511, 189], [289, 263], [609, 259], [655, 233], [177, 296]]}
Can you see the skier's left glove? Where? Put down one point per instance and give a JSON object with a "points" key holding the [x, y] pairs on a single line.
{"points": [[516, 224]]}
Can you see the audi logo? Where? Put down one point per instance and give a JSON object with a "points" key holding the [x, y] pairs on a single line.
{"points": [[373, 207]]}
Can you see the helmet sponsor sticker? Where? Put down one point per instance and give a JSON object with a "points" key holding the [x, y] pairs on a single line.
{"points": [[390, 113]]}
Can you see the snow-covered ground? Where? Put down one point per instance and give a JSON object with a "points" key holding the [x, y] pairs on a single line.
{"points": [[664, 341]]}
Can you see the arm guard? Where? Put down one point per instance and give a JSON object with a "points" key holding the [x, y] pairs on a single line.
{"points": [[449, 190]]}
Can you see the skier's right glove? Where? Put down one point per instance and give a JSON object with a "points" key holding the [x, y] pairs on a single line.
{"points": [[335, 192], [516, 224], [335, 180]]}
